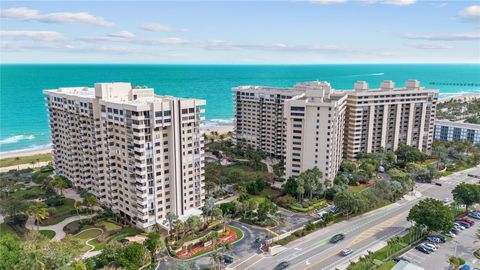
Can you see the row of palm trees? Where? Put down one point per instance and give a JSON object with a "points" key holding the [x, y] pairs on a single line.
{"points": [[309, 182]]}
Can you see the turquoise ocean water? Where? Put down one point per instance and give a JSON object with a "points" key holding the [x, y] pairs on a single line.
{"points": [[23, 116]]}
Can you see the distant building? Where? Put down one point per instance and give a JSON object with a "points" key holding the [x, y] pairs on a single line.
{"points": [[138, 153], [314, 130], [259, 117], [388, 116], [446, 130]]}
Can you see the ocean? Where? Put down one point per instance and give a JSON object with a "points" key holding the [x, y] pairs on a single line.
{"points": [[23, 115]]}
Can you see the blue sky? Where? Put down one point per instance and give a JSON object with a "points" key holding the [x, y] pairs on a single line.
{"points": [[240, 32]]}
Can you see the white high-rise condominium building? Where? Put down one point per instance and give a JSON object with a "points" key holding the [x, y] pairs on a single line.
{"points": [[314, 130], [138, 153], [259, 118], [386, 117], [266, 118]]}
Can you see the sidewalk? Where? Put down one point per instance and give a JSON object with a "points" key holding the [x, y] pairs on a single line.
{"points": [[57, 228], [24, 166]]}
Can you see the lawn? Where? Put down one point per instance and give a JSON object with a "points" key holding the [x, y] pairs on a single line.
{"points": [[49, 234], [61, 213], [7, 162], [268, 192], [258, 198], [356, 189], [28, 193], [125, 232], [387, 266], [89, 233], [318, 205], [109, 226]]}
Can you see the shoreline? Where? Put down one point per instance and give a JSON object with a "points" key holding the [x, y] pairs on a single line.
{"points": [[47, 150], [221, 129]]}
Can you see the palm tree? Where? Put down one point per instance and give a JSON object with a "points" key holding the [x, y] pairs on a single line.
{"points": [[171, 217], [39, 211], [77, 205], [208, 207], [179, 227], [59, 183], [215, 259], [90, 201]]}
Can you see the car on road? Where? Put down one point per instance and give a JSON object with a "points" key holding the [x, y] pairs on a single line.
{"points": [[282, 265], [422, 249], [346, 252], [227, 259], [337, 237]]}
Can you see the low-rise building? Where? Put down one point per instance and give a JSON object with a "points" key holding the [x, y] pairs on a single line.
{"points": [[446, 130]]}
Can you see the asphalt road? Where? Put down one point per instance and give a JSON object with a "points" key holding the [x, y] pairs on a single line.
{"points": [[369, 231]]}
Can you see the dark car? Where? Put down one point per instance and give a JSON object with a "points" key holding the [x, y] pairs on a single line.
{"points": [[337, 237], [227, 259], [455, 231], [422, 249], [400, 259], [464, 224], [333, 210], [434, 239], [258, 240], [282, 265], [442, 238]]}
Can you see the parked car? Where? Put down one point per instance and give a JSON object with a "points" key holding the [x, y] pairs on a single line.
{"points": [[458, 227], [400, 259], [321, 213], [451, 234], [333, 210], [430, 245], [346, 252], [429, 248], [465, 219], [455, 231], [422, 249], [434, 239], [463, 224], [282, 265], [442, 238], [474, 215], [227, 259], [337, 237], [465, 267], [446, 200]]}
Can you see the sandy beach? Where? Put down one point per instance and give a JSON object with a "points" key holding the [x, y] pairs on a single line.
{"points": [[26, 153], [463, 97], [219, 129]]}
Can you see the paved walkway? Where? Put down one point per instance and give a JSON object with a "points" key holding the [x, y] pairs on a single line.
{"points": [[72, 194], [90, 252], [24, 166], [57, 228]]}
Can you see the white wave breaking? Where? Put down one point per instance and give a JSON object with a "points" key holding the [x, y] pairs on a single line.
{"points": [[218, 122], [370, 74], [16, 138], [29, 149]]}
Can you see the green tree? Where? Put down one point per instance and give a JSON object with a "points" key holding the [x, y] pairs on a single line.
{"points": [[133, 256], [433, 214], [467, 194], [406, 154], [456, 262], [39, 211], [290, 187], [171, 218], [59, 183], [154, 243], [10, 251], [349, 203], [90, 201], [77, 205]]}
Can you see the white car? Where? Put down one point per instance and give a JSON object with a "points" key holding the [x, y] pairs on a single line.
{"points": [[458, 226], [346, 252], [430, 245], [446, 200], [451, 234]]}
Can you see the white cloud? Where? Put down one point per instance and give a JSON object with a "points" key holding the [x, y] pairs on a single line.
{"points": [[430, 46], [156, 27], [324, 2], [28, 14], [36, 35], [470, 14], [122, 34], [392, 2], [454, 36]]}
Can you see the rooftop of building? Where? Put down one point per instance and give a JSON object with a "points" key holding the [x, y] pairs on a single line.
{"points": [[117, 92]]}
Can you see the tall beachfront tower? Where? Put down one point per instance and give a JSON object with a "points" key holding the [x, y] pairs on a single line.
{"points": [[314, 130], [388, 116], [140, 154], [259, 118]]}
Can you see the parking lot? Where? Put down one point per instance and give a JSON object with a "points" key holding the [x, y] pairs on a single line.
{"points": [[463, 245]]}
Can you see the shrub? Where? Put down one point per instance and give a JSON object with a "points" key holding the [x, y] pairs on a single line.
{"points": [[55, 201]]}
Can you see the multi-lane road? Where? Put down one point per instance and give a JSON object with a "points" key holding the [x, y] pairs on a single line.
{"points": [[369, 231]]}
